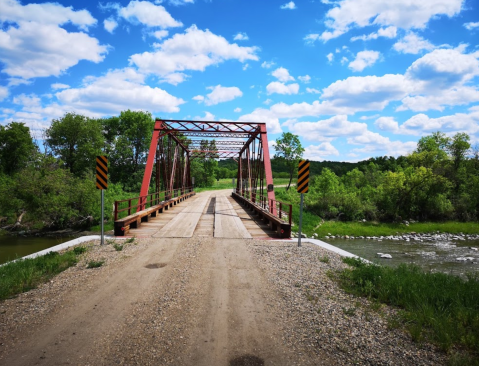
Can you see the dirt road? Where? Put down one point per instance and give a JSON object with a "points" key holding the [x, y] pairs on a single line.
{"points": [[181, 297]]}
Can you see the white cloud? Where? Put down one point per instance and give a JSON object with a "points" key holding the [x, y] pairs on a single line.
{"points": [[389, 32], [282, 75], [160, 34], [312, 91], [245, 67], [364, 59], [263, 115], [344, 60], [330, 57], [3, 93], [398, 13], [57, 86], [318, 152], [291, 5], [379, 145], [109, 94], [268, 101], [207, 117], [110, 24], [471, 25], [221, 94], [421, 124], [438, 99], [281, 88], [148, 14], [241, 37], [237, 110], [179, 2], [45, 14], [32, 44], [193, 50], [444, 68], [311, 38], [267, 65], [328, 129], [305, 79], [387, 124], [199, 98], [412, 43]]}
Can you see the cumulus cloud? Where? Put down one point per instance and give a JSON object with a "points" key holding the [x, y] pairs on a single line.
{"points": [[389, 32], [109, 94], [110, 25], [312, 91], [193, 50], [57, 86], [281, 88], [347, 14], [282, 75], [471, 25], [330, 57], [319, 152], [267, 65], [291, 5], [364, 59], [412, 43], [387, 124], [237, 110], [149, 14], [241, 37], [421, 124], [160, 34], [3, 93], [32, 43], [263, 115], [219, 94], [207, 117], [305, 79]]}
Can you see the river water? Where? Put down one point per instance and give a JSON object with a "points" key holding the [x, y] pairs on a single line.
{"points": [[12, 247], [431, 256]]}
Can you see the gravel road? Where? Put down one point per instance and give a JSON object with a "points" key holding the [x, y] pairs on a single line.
{"points": [[202, 301]]}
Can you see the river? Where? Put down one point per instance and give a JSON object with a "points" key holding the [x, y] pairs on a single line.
{"points": [[12, 247], [431, 256]]}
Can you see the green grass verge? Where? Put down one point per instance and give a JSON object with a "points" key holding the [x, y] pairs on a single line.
{"points": [[436, 307], [26, 274], [228, 184]]}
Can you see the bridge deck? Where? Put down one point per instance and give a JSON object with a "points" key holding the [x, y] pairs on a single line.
{"points": [[212, 213]]}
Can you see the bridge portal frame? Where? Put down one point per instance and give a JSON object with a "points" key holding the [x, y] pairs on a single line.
{"points": [[254, 174]]}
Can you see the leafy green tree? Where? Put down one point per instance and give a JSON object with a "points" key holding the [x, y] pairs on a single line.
{"points": [[288, 148], [128, 139], [76, 140], [16, 147]]}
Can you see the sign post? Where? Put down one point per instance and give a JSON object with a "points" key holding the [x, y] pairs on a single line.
{"points": [[302, 187], [102, 184]]}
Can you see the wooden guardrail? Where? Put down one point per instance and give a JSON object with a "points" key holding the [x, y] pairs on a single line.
{"points": [[146, 207], [275, 213]]}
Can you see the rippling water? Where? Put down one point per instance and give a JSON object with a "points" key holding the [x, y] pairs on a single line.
{"points": [[431, 256]]}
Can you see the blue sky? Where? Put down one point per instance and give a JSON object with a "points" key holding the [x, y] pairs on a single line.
{"points": [[352, 78]]}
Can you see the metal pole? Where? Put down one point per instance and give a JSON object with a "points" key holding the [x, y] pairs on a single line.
{"points": [[102, 219], [300, 219]]}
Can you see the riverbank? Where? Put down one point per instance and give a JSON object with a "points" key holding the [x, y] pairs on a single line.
{"points": [[377, 229]]}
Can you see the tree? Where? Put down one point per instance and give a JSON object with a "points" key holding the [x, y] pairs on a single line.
{"points": [[77, 140], [16, 147], [288, 148], [128, 140]]}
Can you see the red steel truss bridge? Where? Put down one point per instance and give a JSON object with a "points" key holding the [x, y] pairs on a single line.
{"points": [[175, 143]]}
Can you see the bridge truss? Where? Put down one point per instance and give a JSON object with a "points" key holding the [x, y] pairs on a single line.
{"points": [[175, 143]]}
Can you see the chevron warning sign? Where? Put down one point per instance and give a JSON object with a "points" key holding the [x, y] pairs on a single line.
{"points": [[101, 172], [303, 176]]}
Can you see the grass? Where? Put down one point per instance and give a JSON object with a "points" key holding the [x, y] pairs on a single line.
{"points": [[95, 264], [228, 184], [26, 274], [118, 247], [436, 307], [384, 229]]}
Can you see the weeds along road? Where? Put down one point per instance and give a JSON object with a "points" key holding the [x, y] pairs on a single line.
{"points": [[192, 295]]}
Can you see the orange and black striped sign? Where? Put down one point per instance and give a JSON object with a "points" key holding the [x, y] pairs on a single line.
{"points": [[101, 172], [303, 176]]}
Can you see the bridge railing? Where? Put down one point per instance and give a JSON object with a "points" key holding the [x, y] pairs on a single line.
{"points": [[284, 211], [132, 205]]}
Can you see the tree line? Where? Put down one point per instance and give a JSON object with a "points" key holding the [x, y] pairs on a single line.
{"points": [[51, 182], [439, 180]]}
